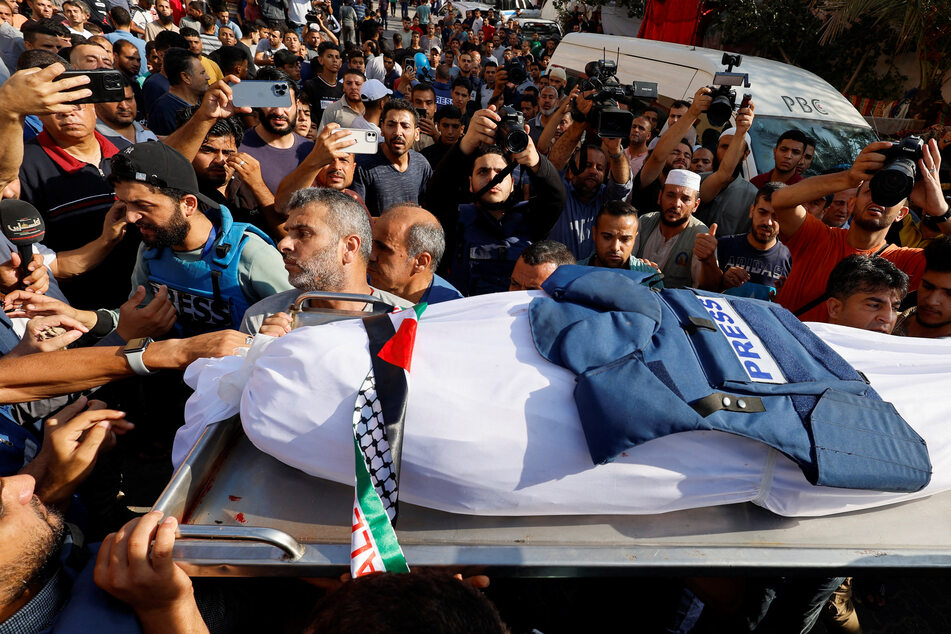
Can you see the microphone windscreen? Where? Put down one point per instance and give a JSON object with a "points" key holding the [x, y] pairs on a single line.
{"points": [[21, 222]]}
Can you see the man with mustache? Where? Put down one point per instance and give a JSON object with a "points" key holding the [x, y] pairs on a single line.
{"points": [[117, 119], [754, 264], [273, 142], [327, 248], [328, 164]]}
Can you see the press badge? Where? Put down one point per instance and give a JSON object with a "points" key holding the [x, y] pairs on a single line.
{"points": [[758, 364]]}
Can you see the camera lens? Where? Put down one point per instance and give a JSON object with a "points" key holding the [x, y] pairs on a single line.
{"points": [[719, 111], [893, 183]]}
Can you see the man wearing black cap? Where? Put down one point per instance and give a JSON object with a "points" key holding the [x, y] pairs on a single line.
{"points": [[214, 268], [288, 62]]}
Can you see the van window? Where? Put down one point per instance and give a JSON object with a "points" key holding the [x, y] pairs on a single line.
{"points": [[836, 143]]}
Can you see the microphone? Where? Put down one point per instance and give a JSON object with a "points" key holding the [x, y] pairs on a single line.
{"points": [[23, 225]]}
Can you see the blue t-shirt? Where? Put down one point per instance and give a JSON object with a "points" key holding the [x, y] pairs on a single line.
{"points": [[440, 291], [162, 115], [154, 87], [767, 268]]}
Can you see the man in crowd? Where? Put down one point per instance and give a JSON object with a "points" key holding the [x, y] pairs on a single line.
{"points": [[122, 22], [273, 142], [837, 212], [327, 248], [614, 234], [396, 173], [725, 195], [595, 174], [157, 84], [408, 243], [328, 164], [449, 125], [187, 80], [667, 236], [751, 265], [485, 237], [547, 106], [787, 155], [701, 161], [117, 119], [324, 89], [213, 267], [865, 292], [536, 263], [350, 106], [931, 315], [641, 133], [164, 22], [816, 248]]}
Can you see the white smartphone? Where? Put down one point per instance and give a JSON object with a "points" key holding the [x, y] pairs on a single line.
{"points": [[368, 141], [261, 94]]}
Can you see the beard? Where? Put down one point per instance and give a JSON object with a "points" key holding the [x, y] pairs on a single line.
{"points": [[673, 223], [320, 273], [38, 559], [550, 111], [172, 234], [871, 224], [270, 127]]}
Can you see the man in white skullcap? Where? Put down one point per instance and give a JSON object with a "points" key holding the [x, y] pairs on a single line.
{"points": [[667, 236], [725, 195]]}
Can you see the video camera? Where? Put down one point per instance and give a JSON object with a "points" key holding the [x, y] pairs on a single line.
{"points": [[894, 182], [605, 116], [724, 97]]}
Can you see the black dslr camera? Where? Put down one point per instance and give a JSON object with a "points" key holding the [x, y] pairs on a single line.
{"points": [[515, 72], [605, 116], [724, 97], [894, 182], [510, 132]]}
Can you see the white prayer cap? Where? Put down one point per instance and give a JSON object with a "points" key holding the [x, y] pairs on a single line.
{"points": [[732, 132], [684, 178]]}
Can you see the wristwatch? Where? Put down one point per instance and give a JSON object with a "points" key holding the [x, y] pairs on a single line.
{"points": [[934, 221], [133, 354]]}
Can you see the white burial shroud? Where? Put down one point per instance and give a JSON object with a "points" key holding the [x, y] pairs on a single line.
{"points": [[492, 428]]}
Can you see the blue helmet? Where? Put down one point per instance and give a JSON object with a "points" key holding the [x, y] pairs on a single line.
{"points": [[423, 69]]}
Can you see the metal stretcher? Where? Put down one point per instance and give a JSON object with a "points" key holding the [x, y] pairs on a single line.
{"points": [[244, 513]]}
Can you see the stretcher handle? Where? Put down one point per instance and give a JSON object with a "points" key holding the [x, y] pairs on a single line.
{"points": [[291, 547], [379, 305]]}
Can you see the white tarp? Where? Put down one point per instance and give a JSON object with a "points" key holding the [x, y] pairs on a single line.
{"points": [[492, 428]]}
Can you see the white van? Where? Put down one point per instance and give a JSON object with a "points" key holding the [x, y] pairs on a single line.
{"points": [[785, 96]]}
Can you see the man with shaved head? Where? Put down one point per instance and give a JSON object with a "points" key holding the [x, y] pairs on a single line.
{"points": [[408, 243]]}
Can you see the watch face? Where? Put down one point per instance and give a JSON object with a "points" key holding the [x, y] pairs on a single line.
{"points": [[137, 345]]}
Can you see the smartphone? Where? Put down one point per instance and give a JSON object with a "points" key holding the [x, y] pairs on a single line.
{"points": [[409, 63], [368, 141], [261, 94], [106, 85], [421, 112]]}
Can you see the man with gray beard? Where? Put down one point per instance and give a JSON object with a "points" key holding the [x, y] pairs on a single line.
{"points": [[327, 248], [547, 106]]}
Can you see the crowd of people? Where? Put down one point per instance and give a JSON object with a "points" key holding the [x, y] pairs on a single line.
{"points": [[179, 225]]}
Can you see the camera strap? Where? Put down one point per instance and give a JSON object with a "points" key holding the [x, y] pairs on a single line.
{"points": [[498, 178]]}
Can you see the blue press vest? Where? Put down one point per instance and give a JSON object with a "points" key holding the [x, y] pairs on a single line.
{"points": [[206, 293], [488, 249], [653, 363]]}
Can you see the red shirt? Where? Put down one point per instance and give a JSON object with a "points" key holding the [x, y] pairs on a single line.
{"points": [[816, 248], [766, 177]]}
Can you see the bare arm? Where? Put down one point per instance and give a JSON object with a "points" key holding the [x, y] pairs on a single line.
{"points": [[617, 162], [49, 374], [716, 182], [545, 138], [654, 164], [216, 104], [31, 91], [328, 145]]}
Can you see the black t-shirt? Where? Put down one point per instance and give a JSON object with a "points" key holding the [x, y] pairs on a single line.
{"points": [[769, 267], [434, 153], [73, 199], [644, 198], [321, 95]]}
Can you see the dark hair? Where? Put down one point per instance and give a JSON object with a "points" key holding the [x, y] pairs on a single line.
{"points": [[374, 49], [616, 208], [767, 190], [120, 17], [462, 81], [178, 61], [810, 142], [227, 57], [323, 47], [938, 255], [448, 112], [490, 62], [680, 103], [207, 20], [417, 602], [399, 104], [269, 73], [187, 31], [859, 273], [169, 39], [355, 71], [793, 135], [39, 58], [46, 26], [228, 126], [355, 52], [423, 87], [121, 44], [530, 98], [547, 252]]}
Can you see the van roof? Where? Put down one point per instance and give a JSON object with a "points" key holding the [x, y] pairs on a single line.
{"points": [[680, 70]]}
